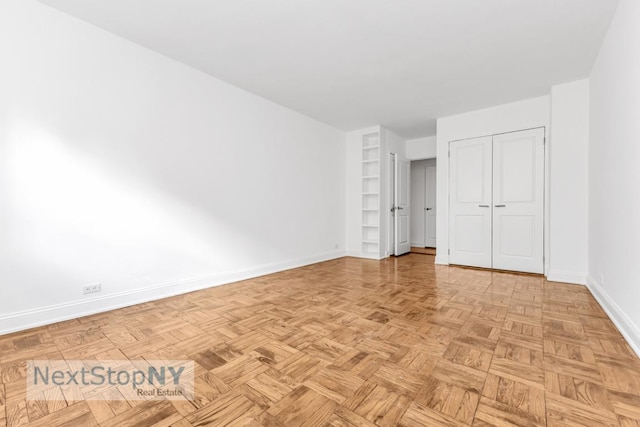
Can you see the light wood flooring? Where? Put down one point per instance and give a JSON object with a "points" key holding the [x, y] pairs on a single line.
{"points": [[353, 342]]}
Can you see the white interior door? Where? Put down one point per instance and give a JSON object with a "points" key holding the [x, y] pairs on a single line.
{"points": [[470, 172], [430, 207], [402, 174], [518, 208], [391, 244]]}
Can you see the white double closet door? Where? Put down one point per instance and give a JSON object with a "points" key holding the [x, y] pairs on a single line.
{"points": [[496, 201]]}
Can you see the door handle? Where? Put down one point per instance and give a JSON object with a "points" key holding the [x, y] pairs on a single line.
{"points": [[428, 209], [501, 206], [399, 208], [483, 206]]}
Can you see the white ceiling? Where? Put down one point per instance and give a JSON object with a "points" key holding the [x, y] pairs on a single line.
{"points": [[355, 63]]}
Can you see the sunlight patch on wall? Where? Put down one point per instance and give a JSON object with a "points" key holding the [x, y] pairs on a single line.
{"points": [[74, 219]]}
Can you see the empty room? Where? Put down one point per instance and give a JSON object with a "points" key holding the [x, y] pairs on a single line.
{"points": [[319, 213]]}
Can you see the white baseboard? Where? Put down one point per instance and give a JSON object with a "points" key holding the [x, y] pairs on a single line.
{"points": [[359, 254], [28, 319], [369, 256], [626, 327], [441, 260], [567, 277]]}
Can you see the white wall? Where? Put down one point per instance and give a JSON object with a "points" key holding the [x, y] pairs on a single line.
{"points": [[526, 114], [421, 148], [120, 166], [568, 176], [418, 192], [614, 173]]}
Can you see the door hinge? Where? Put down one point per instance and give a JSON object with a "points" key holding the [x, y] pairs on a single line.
{"points": [[448, 251]]}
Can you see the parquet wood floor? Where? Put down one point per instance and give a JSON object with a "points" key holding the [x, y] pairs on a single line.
{"points": [[353, 342]]}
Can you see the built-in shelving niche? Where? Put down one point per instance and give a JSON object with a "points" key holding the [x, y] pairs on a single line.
{"points": [[371, 195]]}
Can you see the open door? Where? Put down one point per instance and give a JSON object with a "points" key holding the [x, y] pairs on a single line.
{"points": [[402, 174]]}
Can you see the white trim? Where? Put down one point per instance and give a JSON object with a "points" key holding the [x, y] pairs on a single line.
{"points": [[364, 255], [567, 277], [370, 256], [56, 313], [441, 260], [626, 327]]}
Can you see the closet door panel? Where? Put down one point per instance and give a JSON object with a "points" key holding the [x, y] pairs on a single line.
{"points": [[518, 205], [470, 201]]}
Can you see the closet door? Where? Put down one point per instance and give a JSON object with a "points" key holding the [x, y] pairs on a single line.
{"points": [[518, 208], [470, 202]]}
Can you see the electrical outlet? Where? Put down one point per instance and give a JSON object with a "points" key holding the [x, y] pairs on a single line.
{"points": [[92, 288], [337, 246]]}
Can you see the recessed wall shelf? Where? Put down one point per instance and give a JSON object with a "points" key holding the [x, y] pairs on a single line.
{"points": [[371, 157]]}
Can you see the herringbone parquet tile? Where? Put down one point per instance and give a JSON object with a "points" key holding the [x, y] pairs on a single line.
{"points": [[351, 342]]}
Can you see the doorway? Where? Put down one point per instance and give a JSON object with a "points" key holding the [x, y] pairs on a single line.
{"points": [[423, 206]]}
